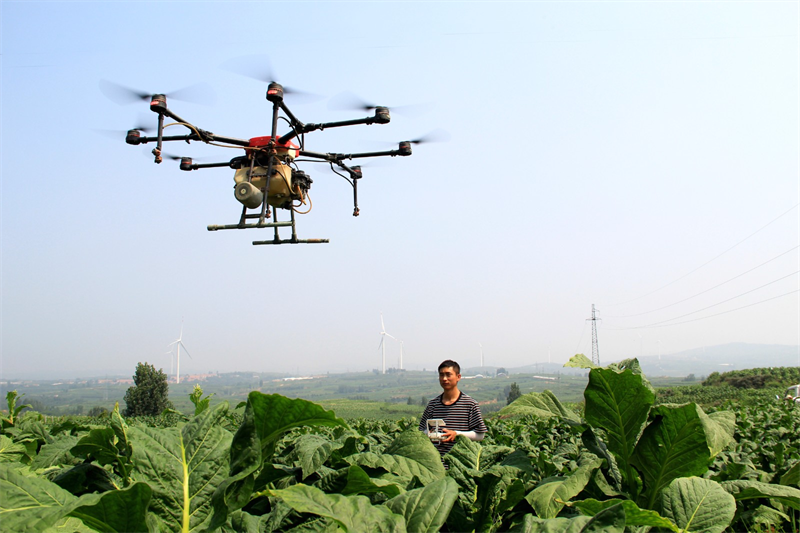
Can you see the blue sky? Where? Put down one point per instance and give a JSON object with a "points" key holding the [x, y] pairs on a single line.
{"points": [[598, 152]]}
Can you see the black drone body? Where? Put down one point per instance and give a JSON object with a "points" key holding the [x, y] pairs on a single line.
{"points": [[267, 175]]}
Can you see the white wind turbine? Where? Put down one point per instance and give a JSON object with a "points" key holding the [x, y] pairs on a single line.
{"points": [[481, 345], [179, 343], [401, 355], [382, 345]]}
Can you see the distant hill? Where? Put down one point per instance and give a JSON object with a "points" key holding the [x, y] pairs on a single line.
{"points": [[698, 361], [721, 358]]}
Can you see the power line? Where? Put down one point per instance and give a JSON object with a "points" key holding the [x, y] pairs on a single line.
{"points": [[730, 310], [659, 324], [712, 259], [581, 338], [707, 290]]}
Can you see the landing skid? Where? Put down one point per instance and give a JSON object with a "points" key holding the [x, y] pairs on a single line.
{"points": [[276, 239]]}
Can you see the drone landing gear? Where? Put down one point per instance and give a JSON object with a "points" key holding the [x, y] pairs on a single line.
{"points": [[275, 225]]}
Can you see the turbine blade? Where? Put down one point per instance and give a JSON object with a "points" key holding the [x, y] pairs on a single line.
{"points": [[187, 351]]}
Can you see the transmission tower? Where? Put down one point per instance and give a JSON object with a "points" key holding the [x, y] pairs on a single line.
{"points": [[595, 350]]}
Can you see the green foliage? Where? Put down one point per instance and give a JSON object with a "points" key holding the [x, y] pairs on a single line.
{"points": [[13, 409], [513, 393], [756, 378], [290, 465], [150, 393], [579, 361], [541, 404], [200, 403]]}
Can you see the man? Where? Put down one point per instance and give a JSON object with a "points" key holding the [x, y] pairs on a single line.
{"points": [[461, 414]]}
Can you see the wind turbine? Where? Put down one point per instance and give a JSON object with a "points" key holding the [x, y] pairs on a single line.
{"points": [[382, 345], [179, 343], [481, 345], [401, 355]]}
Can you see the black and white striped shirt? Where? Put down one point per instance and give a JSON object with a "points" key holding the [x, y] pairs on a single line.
{"points": [[462, 415]]}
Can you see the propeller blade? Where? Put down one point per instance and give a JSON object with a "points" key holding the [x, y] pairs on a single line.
{"points": [[121, 94], [199, 93], [120, 134], [258, 67], [438, 135], [348, 101]]}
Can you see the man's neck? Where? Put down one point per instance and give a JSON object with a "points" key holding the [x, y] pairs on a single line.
{"points": [[451, 395]]}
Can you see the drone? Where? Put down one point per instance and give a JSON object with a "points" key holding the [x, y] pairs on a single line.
{"points": [[267, 176]]}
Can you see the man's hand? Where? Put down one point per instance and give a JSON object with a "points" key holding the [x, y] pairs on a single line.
{"points": [[449, 434]]}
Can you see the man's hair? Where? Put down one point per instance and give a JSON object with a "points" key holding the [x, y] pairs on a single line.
{"points": [[449, 364]]}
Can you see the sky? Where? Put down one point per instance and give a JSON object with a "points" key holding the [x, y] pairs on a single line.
{"points": [[641, 157]]}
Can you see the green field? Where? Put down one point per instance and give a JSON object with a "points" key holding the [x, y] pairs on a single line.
{"points": [[621, 461], [356, 395]]}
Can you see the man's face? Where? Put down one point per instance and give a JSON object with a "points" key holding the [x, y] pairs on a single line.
{"points": [[448, 377]]}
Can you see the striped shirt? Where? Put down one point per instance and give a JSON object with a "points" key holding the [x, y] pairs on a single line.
{"points": [[462, 415]]}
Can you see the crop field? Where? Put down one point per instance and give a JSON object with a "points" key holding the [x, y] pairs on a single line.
{"points": [[378, 394], [621, 461]]}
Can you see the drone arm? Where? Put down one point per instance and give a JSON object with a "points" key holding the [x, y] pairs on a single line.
{"points": [[378, 118], [317, 155], [403, 151], [190, 137]]}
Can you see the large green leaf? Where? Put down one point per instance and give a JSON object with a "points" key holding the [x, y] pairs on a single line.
{"points": [[353, 513], [792, 476], [533, 524], [633, 515], [267, 417], [619, 403], [468, 460], [121, 431], [410, 454], [183, 466], [425, 509], [12, 452], [579, 361], [85, 477], [467, 455], [749, 490], [720, 427], [56, 453], [311, 451], [674, 445], [549, 498], [611, 520], [31, 503], [359, 482], [104, 446], [35, 504], [697, 504], [122, 511], [541, 404], [498, 489]]}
